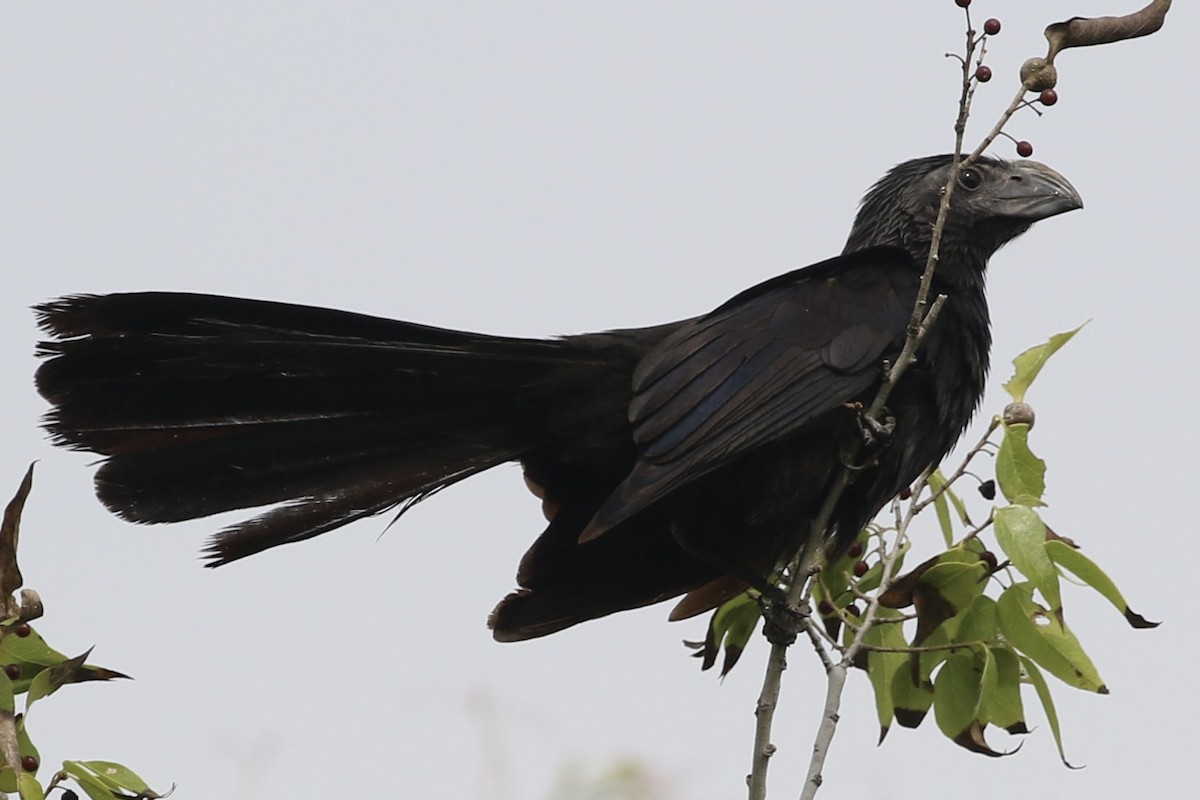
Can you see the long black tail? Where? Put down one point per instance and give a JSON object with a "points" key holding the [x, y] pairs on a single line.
{"points": [[205, 404]]}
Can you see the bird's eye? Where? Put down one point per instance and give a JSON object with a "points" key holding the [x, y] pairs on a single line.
{"points": [[970, 179]]}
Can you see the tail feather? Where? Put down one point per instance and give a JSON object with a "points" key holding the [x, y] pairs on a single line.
{"points": [[206, 404]]}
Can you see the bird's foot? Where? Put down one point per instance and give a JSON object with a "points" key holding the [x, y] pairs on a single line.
{"points": [[874, 430], [782, 621]]}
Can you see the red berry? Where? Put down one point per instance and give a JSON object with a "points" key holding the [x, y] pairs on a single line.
{"points": [[854, 550], [29, 763], [905, 493], [860, 568], [13, 671], [991, 27], [1024, 149], [22, 630], [825, 608], [962, 3], [1048, 97], [983, 74]]}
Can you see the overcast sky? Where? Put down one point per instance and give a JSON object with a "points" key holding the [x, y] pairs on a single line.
{"points": [[545, 168]]}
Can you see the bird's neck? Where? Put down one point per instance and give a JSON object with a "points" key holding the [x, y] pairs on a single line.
{"points": [[959, 343]]}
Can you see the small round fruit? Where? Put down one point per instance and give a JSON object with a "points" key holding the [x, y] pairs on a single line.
{"points": [[962, 3], [860, 568], [29, 763], [905, 493], [68, 794], [855, 550], [23, 630], [1048, 97], [991, 27], [989, 558], [853, 610], [1024, 149], [825, 608], [988, 490], [13, 671], [983, 74]]}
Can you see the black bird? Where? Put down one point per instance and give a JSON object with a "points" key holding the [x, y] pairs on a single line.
{"points": [[689, 457]]}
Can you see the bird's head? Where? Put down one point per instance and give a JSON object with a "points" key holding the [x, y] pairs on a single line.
{"points": [[993, 203]]}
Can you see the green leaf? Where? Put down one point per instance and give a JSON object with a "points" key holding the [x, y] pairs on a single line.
{"points": [[110, 776], [1043, 693], [1000, 701], [1087, 571], [979, 622], [937, 485], [8, 703], [119, 776], [910, 699], [956, 691], [729, 628], [957, 583], [8, 780], [1021, 474], [95, 788], [1022, 536], [24, 743], [29, 787], [1030, 363], [1041, 635], [882, 667], [31, 649]]}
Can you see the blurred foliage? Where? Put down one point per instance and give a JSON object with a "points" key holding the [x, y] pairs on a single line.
{"points": [[623, 779]]}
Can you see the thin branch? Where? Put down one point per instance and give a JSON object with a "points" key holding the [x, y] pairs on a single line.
{"points": [[923, 317], [979, 447]]}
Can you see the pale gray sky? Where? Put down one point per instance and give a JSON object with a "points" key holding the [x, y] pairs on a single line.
{"points": [[515, 168]]}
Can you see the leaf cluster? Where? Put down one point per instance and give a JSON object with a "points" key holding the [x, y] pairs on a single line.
{"points": [[31, 667], [962, 632]]}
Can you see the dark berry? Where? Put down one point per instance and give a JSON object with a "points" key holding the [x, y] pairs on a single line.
{"points": [[983, 74], [991, 27], [69, 795], [905, 493], [29, 763], [1048, 97], [13, 671], [1024, 149], [860, 568], [989, 558], [988, 490], [962, 3], [855, 550], [853, 610], [22, 630], [824, 608]]}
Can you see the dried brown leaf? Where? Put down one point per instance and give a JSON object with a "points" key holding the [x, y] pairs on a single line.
{"points": [[1088, 31]]}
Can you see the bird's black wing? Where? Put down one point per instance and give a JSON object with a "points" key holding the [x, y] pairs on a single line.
{"points": [[773, 361]]}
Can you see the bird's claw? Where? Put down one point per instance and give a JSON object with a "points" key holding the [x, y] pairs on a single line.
{"points": [[782, 622], [876, 431]]}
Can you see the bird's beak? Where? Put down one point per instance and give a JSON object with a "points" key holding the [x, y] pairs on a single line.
{"points": [[1033, 191]]}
